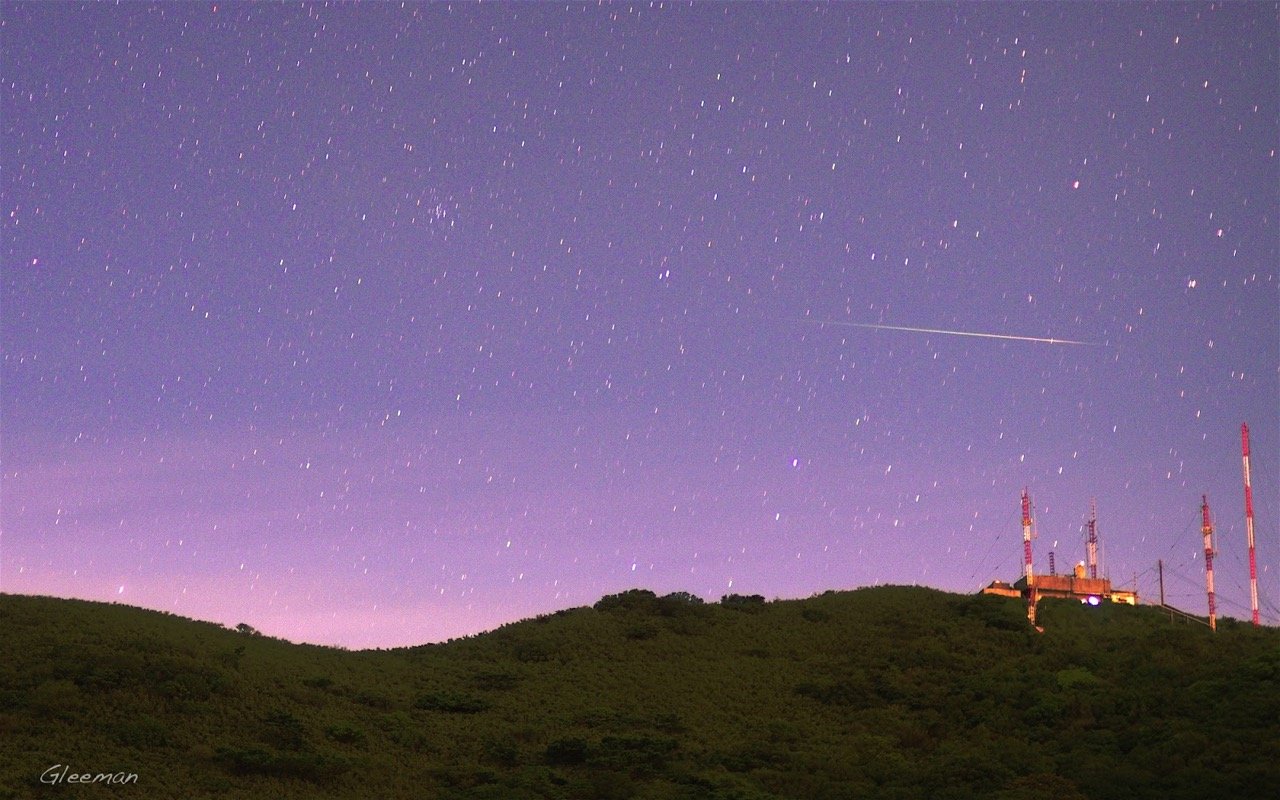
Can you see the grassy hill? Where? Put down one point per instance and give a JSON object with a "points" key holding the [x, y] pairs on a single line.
{"points": [[891, 692]]}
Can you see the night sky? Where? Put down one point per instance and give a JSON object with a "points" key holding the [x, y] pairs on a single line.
{"points": [[378, 324]]}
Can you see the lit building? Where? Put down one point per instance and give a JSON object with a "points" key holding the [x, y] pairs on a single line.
{"points": [[1068, 587]]}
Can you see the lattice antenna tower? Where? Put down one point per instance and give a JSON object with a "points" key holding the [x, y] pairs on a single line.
{"points": [[1026, 556], [1248, 525], [1207, 529], [1093, 539]]}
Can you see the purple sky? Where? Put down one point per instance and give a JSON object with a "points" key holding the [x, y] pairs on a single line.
{"points": [[378, 325]]}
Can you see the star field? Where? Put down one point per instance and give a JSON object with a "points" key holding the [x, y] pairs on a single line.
{"points": [[380, 324]]}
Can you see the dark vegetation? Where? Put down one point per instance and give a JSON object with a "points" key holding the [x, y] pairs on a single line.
{"points": [[879, 693]]}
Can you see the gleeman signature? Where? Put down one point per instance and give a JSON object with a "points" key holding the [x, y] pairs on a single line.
{"points": [[61, 773]]}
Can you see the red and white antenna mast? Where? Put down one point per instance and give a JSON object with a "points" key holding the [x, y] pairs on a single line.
{"points": [[1207, 529], [1026, 536], [1026, 551], [1248, 525], [1093, 538]]}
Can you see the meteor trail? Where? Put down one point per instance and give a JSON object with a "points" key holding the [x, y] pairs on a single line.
{"points": [[950, 333]]}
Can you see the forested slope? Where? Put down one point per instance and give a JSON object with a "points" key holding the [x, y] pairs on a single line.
{"points": [[892, 692]]}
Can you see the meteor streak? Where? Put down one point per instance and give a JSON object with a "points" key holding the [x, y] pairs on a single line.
{"points": [[950, 333]]}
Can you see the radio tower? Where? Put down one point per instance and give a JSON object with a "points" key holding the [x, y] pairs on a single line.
{"points": [[1207, 530], [1093, 538], [1026, 550], [1248, 525]]}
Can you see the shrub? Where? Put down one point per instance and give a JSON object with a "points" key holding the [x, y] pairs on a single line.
{"points": [[245, 761], [1076, 677], [568, 751], [451, 702], [191, 686], [641, 753], [256, 761], [345, 734], [683, 598], [630, 600], [533, 652], [494, 680], [846, 692], [640, 631], [143, 733], [372, 699], [743, 602], [679, 604], [233, 657], [58, 698], [283, 730], [501, 752], [814, 615], [12, 699]]}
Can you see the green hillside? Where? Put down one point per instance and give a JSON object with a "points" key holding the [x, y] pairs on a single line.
{"points": [[891, 692]]}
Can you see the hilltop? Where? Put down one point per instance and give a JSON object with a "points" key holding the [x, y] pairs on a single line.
{"points": [[891, 692]]}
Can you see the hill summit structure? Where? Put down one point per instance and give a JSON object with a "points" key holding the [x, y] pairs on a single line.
{"points": [[1085, 585], [1082, 584], [1076, 586]]}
